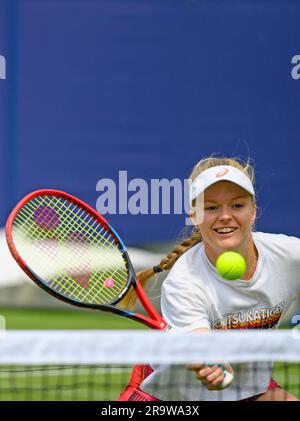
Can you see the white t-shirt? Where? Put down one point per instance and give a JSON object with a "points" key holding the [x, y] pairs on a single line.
{"points": [[195, 296]]}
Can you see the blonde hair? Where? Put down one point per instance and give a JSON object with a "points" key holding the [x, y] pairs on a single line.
{"points": [[129, 301]]}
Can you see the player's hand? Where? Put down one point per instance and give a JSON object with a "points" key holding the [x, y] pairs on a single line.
{"points": [[213, 377]]}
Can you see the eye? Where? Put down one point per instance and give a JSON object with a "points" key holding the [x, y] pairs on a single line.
{"points": [[211, 208], [238, 205]]}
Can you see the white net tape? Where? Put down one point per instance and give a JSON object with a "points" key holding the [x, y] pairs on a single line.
{"points": [[129, 347]]}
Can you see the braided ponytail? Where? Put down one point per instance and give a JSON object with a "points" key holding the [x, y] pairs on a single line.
{"points": [[129, 301], [168, 262]]}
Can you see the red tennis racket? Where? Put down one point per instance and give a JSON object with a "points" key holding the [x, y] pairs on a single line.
{"points": [[71, 251]]}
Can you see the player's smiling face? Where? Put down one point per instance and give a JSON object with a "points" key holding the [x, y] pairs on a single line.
{"points": [[229, 214]]}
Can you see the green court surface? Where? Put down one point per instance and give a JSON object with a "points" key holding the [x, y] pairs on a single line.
{"points": [[65, 319], [91, 383], [68, 383], [288, 376]]}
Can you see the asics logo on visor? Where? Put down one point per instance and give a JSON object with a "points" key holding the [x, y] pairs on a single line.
{"points": [[222, 173]]}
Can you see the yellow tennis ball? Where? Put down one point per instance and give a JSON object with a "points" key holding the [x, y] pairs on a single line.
{"points": [[231, 265]]}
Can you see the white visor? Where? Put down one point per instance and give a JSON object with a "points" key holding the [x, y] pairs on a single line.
{"points": [[220, 173]]}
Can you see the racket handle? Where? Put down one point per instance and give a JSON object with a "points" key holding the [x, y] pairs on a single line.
{"points": [[228, 377], [227, 380]]}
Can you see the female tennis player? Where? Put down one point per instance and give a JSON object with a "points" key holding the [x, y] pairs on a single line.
{"points": [[194, 296]]}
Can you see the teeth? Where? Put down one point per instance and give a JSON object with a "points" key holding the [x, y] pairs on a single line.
{"points": [[225, 230]]}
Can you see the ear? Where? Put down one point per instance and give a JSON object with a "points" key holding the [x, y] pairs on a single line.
{"points": [[196, 213], [196, 218], [192, 216], [254, 214]]}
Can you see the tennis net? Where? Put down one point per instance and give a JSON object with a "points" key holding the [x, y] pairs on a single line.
{"points": [[96, 365]]}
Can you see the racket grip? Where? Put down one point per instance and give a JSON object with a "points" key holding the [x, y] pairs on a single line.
{"points": [[228, 377], [227, 380]]}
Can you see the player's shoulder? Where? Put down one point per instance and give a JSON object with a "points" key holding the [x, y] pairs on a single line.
{"points": [[281, 240], [183, 271], [279, 245], [188, 260]]}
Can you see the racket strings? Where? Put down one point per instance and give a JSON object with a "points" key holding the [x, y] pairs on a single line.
{"points": [[66, 228], [85, 226], [75, 289], [104, 241], [65, 283], [67, 248]]}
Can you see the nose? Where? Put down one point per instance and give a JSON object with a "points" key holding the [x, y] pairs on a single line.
{"points": [[225, 214]]}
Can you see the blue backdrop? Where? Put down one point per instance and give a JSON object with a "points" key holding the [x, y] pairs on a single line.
{"points": [[3, 141], [150, 87]]}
